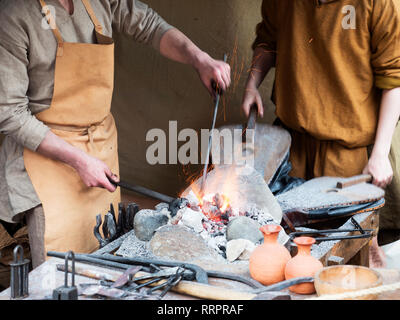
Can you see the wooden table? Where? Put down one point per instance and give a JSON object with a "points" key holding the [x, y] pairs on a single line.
{"points": [[355, 251], [45, 278]]}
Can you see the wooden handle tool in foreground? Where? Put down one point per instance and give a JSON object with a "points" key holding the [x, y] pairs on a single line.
{"points": [[194, 289], [354, 181]]}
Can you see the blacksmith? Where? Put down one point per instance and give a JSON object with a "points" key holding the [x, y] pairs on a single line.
{"points": [[337, 88], [56, 84]]}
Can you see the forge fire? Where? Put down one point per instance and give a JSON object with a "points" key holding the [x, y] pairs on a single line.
{"points": [[212, 218]]}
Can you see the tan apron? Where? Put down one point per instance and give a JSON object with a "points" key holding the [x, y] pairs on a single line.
{"points": [[79, 114]]}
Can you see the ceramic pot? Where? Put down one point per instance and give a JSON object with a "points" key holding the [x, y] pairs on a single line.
{"points": [[267, 262], [303, 265]]}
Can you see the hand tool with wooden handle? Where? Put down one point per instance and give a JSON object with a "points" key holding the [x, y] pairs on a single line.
{"points": [[353, 181], [196, 289]]}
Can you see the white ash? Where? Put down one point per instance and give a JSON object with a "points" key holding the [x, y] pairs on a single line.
{"points": [[192, 199], [263, 218], [133, 247], [217, 243]]}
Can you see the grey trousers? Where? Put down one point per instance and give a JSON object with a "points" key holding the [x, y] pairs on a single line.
{"points": [[36, 225]]}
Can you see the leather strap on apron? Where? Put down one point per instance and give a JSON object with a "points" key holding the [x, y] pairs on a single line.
{"points": [[79, 114]]}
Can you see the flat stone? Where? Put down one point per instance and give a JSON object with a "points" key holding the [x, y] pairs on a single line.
{"points": [[239, 249], [180, 243], [146, 222], [244, 228]]}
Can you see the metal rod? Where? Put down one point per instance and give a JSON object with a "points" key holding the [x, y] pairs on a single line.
{"points": [[284, 284], [203, 180], [200, 273], [96, 261], [144, 191]]}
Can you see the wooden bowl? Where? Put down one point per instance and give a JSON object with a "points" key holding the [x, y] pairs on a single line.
{"points": [[339, 279]]}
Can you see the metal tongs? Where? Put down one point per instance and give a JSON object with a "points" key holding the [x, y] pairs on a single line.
{"points": [[174, 203], [207, 159], [364, 233]]}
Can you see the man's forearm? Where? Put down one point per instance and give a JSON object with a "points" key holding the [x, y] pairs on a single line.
{"points": [[176, 46], [93, 172], [55, 148], [388, 117], [262, 63]]}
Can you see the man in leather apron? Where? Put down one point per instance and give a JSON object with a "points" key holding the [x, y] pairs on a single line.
{"points": [[60, 151]]}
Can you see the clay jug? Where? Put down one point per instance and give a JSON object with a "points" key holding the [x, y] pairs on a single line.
{"points": [[303, 265], [267, 262]]}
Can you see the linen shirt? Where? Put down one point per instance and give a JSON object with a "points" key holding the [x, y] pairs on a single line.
{"points": [[27, 63], [332, 62]]}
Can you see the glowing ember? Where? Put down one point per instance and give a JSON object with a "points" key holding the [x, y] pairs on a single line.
{"points": [[216, 207]]}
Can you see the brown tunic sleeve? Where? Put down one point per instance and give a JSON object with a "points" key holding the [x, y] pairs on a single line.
{"points": [[266, 30], [385, 43]]}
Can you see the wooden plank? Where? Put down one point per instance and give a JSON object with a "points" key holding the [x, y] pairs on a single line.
{"points": [[362, 257], [347, 249]]}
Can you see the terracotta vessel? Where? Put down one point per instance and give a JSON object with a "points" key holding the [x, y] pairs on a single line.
{"points": [[267, 262], [303, 265]]}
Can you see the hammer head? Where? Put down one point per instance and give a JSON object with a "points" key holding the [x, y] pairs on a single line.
{"points": [[273, 295]]}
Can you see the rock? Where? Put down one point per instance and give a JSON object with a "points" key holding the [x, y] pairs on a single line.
{"points": [[161, 206], [193, 219], [239, 249], [180, 244], [244, 228], [146, 222]]}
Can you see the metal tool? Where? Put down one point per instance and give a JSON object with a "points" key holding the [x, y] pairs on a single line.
{"points": [[199, 290], [364, 233], [207, 159], [67, 292], [19, 281], [126, 277], [174, 203], [144, 191], [113, 229], [125, 263], [171, 282]]}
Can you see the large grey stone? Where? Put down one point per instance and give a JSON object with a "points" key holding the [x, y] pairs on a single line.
{"points": [[244, 228], [146, 222], [180, 243]]}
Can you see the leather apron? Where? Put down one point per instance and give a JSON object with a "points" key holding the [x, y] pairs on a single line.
{"points": [[79, 114]]}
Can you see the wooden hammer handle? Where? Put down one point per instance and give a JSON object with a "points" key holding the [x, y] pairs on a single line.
{"points": [[354, 181], [194, 289]]}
